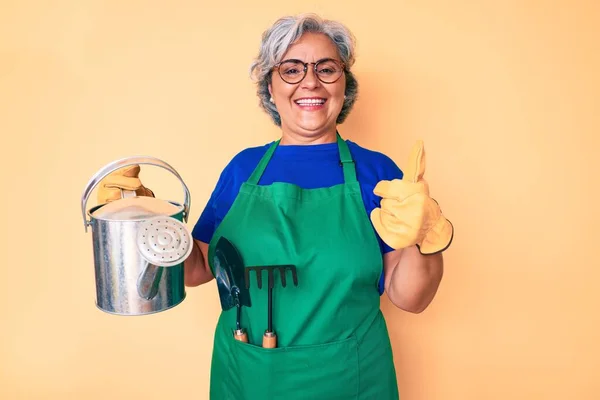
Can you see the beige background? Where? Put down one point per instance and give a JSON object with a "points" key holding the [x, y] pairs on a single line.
{"points": [[505, 95]]}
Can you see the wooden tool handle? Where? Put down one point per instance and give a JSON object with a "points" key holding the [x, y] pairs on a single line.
{"points": [[269, 340], [241, 336]]}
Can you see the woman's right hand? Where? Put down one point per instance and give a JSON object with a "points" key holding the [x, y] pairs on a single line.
{"points": [[126, 178]]}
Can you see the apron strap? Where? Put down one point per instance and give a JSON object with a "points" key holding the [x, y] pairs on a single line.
{"points": [[346, 162], [262, 165]]}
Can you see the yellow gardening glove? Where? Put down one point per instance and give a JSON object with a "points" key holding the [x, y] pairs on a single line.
{"points": [[126, 178], [408, 216]]}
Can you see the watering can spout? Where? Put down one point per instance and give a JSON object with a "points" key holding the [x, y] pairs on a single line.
{"points": [[148, 281]]}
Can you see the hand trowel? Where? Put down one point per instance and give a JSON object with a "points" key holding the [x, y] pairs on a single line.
{"points": [[229, 274]]}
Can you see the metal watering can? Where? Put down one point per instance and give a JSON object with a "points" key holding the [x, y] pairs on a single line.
{"points": [[139, 246]]}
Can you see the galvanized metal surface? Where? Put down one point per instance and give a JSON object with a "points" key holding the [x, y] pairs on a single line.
{"points": [[126, 284]]}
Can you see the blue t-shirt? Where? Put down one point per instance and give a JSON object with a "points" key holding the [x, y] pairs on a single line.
{"points": [[308, 166]]}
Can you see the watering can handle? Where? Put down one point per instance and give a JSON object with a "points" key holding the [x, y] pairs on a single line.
{"points": [[125, 162]]}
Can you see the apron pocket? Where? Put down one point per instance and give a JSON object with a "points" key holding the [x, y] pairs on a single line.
{"points": [[326, 371]]}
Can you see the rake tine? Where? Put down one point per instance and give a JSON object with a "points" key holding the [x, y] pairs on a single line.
{"points": [[258, 271], [270, 272], [259, 277], [271, 277], [292, 268], [282, 275]]}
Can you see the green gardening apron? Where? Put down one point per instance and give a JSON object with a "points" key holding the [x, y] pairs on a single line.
{"points": [[332, 340]]}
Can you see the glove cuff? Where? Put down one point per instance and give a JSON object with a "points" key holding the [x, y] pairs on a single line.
{"points": [[438, 238]]}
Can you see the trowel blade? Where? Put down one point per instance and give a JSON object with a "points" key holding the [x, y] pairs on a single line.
{"points": [[223, 279], [231, 261]]}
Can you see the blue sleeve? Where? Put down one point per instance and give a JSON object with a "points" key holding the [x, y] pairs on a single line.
{"points": [[376, 167], [388, 170], [207, 222], [238, 170]]}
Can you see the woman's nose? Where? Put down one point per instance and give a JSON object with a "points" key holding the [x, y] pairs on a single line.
{"points": [[310, 81]]}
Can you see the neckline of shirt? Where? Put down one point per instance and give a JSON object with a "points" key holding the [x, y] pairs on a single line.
{"points": [[325, 151]]}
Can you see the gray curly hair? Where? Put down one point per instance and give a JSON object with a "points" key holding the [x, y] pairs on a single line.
{"points": [[281, 35]]}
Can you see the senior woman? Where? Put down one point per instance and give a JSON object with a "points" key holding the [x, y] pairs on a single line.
{"points": [[346, 217]]}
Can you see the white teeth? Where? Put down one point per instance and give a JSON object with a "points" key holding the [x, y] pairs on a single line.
{"points": [[310, 102]]}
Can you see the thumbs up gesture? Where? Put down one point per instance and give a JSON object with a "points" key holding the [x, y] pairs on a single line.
{"points": [[408, 216]]}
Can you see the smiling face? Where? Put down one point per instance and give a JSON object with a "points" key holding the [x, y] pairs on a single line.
{"points": [[309, 109]]}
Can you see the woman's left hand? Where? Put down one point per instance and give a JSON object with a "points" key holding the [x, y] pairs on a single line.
{"points": [[408, 216]]}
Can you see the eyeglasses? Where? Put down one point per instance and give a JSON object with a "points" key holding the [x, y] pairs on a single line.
{"points": [[326, 70]]}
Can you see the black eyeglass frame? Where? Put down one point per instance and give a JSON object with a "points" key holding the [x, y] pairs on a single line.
{"points": [[305, 69]]}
